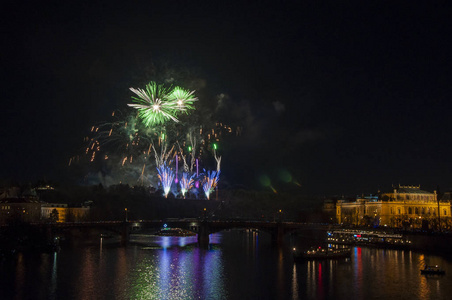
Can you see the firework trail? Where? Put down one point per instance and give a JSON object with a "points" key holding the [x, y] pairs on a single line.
{"points": [[162, 157], [118, 150], [192, 149], [184, 160], [186, 183], [177, 169], [210, 182], [121, 136], [166, 176], [217, 157]]}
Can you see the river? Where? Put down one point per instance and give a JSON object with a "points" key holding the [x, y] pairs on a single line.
{"points": [[237, 265]]}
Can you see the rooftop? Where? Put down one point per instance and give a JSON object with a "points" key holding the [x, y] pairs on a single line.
{"points": [[19, 200], [409, 189]]}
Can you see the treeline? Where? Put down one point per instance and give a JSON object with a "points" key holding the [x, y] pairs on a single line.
{"points": [[142, 203]]}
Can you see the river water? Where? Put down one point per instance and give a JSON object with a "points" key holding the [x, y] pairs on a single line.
{"points": [[237, 265]]}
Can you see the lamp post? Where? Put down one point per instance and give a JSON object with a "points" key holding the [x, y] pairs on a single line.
{"points": [[439, 216], [125, 210]]}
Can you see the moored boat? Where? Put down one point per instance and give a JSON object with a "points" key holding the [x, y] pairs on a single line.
{"points": [[322, 253], [175, 232], [368, 238], [433, 270]]}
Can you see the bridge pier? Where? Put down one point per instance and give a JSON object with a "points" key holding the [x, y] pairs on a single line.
{"points": [[278, 234], [125, 234], [203, 235], [49, 234]]}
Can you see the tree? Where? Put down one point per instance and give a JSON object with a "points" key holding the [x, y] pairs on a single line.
{"points": [[54, 216]]}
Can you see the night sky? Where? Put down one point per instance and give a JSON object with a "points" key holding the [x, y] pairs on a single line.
{"points": [[346, 97]]}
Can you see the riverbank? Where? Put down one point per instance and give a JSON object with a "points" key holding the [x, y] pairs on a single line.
{"points": [[433, 243]]}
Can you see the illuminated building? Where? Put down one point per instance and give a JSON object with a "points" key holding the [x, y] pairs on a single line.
{"points": [[329, 210], [27, 207], [64, 213], [15, 205], [404, 206], [23, 208]]}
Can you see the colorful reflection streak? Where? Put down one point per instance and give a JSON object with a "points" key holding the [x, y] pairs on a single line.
{"points": [[315, 278], [238, 265], [358, 271], [179, 270]]}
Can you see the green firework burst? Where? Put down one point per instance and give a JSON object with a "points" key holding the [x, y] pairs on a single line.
{"points": [[158, 104]]}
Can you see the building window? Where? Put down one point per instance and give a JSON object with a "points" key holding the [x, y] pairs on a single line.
{"points": [[445, 212], [398, 211], [410, 211], [416, 211]]}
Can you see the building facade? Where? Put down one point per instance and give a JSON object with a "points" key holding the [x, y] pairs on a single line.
{"points": [[404, 206], [20, 209], [63, 213]]}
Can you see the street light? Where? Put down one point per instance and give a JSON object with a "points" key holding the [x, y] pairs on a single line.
{"points": [[439, 215], [125, 209]]}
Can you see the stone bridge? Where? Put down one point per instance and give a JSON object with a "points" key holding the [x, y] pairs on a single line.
{"points": [[203, 228]]}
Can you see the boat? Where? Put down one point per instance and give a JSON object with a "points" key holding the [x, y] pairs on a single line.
{"points": [[368, 238], [175, 232], [322, 253], [432, 270]]}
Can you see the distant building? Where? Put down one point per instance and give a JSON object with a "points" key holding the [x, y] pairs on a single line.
{"points": [[20, 208], [404, 206], [48, 208], [447, 196], [27, 207], [329, 210], [64, 213]]}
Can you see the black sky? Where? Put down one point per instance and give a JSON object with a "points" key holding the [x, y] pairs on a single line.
{"points": [[348, 97]]}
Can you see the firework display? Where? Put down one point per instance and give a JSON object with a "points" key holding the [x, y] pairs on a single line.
{"points": [[148, 146]]}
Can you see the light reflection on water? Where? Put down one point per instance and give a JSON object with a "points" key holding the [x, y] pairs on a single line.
{"points": [[294, 282], [237, 265], [179, 270]]}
